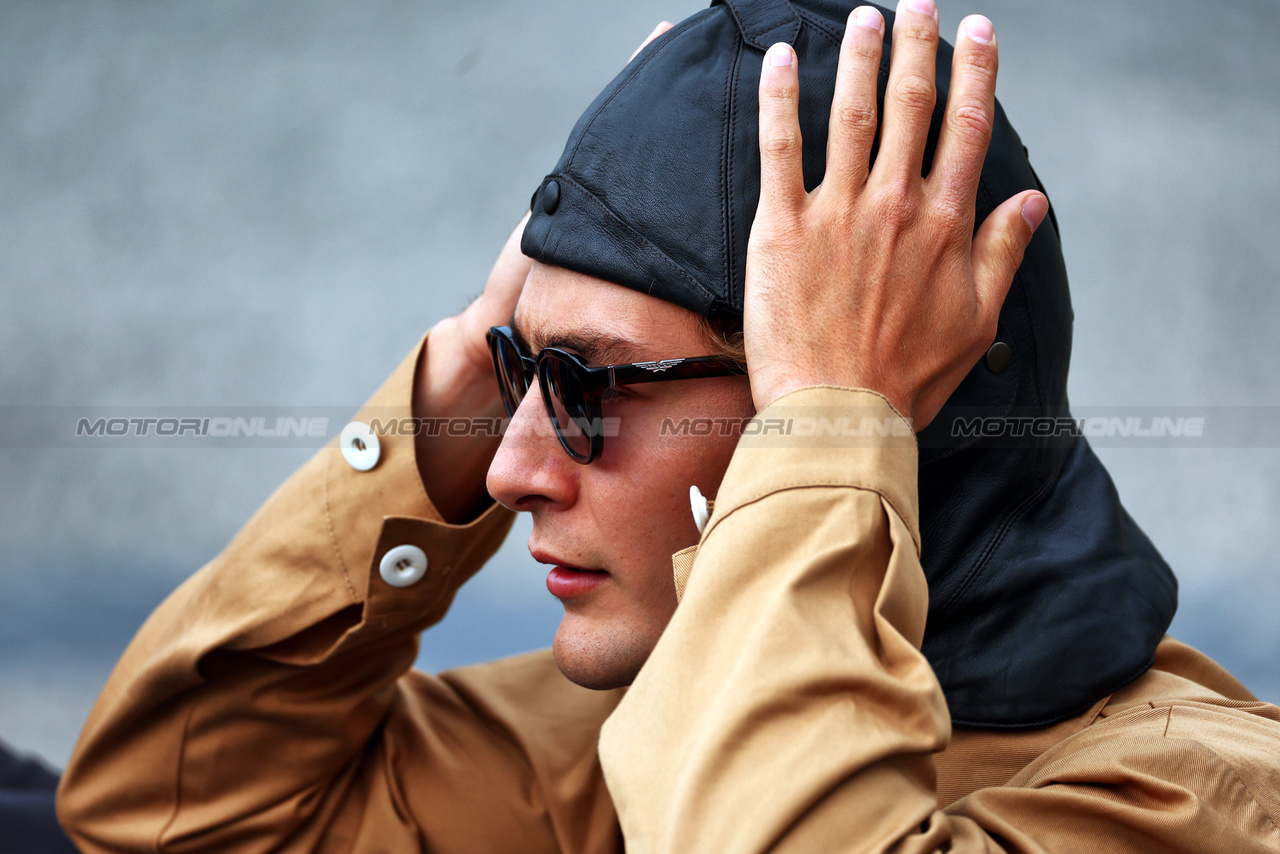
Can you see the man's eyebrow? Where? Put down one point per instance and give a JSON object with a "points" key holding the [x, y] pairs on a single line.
{"points": [[521, 344], [598, 347], [602, 347]]}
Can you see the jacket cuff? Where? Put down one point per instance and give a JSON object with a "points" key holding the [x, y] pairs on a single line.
{"points": [[825, 436], [342, 521]]}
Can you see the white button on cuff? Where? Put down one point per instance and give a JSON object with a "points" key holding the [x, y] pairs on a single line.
{"points": [[360, 446], [403, 566], [700, 506]]}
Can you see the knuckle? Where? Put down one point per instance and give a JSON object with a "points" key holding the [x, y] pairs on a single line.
{"points": [[982, 62], [780, 94], [781, 142], [971, 121], [780, 237], [1012, 244], [896, 200], [951, 214], [786, 238], [864, 50], [914, 92], [856, 115], [924, 33]]}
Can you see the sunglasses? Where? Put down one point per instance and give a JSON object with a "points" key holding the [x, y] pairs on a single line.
{"points": [[572, 387]]}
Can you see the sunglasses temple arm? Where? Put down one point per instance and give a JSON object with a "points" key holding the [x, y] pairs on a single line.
{"points": [[686, 370]]}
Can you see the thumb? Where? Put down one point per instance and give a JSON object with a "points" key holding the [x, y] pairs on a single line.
{"points": [[1000, 243]]}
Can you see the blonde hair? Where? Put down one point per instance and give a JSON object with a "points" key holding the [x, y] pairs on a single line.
{"points": [[724, 334]]}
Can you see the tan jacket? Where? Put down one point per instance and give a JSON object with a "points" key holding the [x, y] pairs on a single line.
{"points": [[268, 704]]}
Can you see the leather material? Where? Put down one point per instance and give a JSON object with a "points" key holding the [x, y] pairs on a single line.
{"points": [[765, 22], [1045, 596]]}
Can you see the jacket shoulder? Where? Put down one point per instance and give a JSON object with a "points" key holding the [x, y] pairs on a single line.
{"points": [[1186, 744]]}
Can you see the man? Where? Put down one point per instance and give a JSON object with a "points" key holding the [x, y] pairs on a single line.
{"points": [[785, 704]]}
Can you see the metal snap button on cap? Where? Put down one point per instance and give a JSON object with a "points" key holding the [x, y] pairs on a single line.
{"points": [[999, 357], [551, 197], [360, 446], [403, 566]]}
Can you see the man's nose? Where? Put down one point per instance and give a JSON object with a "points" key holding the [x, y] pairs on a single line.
{"points": [[530, 468]]}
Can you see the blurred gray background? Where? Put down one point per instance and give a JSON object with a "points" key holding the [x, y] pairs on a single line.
{"points": [[235, 202]]}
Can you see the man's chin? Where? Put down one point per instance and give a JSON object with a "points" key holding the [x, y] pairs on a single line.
{"points": [[599, 657]]}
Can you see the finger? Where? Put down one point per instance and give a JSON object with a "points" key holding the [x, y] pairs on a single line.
{"points": [[506, 278], [911, 95], [657, 31], [970, 116], [781, 170], [852, 129], [998, 248], [501, 293]]}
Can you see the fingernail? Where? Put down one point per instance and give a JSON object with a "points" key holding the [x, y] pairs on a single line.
{"points": [[869, 17], [1034, 210], [924, 7], [780, 54], [979, 29]]}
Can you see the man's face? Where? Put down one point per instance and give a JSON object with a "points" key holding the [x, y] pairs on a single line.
{"points": [[623, 516]]}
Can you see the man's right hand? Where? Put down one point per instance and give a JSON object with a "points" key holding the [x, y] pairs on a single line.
{"points": [[455, 378], [460, 357]]}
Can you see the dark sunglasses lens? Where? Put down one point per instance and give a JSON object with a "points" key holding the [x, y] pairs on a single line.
{"points": [[566, 403], [510, 371]]}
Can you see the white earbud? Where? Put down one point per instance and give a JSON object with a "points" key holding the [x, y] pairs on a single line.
{"points": [[701, 507]]}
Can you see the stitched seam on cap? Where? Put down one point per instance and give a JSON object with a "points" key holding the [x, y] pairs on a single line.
{"points": [[756, 33], [667, 259], [726, 170], [768, 28], [820, 26], [788, 20], [733, 13], [672, 33]]}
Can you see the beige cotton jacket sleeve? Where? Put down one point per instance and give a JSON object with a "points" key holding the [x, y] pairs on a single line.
{"points": [[788, 708], [268, 704]]}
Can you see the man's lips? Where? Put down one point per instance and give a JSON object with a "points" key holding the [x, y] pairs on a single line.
{"points": [[567, 582]]}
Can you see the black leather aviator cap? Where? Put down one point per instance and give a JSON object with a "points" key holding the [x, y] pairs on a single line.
{"points": [[1044, 595]]}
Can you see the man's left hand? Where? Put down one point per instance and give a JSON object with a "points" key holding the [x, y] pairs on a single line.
{"points": [[875, 279]]}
